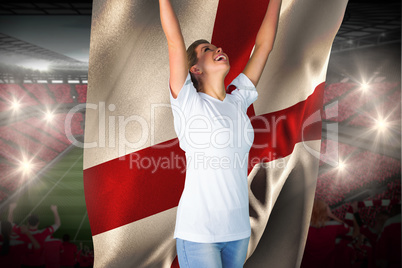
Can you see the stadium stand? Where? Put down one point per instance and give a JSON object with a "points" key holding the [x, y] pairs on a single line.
{"points": [[353, 101], [62, 92], [50, 129], [43, 137], [4, 106], [75, 127], [361, 170], [331, 150], [333, 91], [13, 92], [82, 93], [389, 110], [40, 91], [31, 145]]}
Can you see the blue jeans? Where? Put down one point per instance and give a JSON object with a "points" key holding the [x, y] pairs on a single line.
{"points": [[230, 254]]}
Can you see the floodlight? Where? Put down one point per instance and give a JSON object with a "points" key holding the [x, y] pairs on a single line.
{"points": [[49, 116], [15, 105], [26, 166], [381, 124], [364, 87], [341, 165]]}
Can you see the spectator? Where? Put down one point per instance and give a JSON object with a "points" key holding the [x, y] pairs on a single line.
{"points": [[53, 249], [86, 257], [35, 257], [388, 250], [363, 252], [69, 253], [12, 250], [320, 244], [370, 233]]}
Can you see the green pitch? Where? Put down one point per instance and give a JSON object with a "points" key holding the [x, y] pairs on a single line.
{"points": [[61, 185]]}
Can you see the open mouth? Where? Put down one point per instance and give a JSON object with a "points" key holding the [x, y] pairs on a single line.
{"points": [[220, 58]]}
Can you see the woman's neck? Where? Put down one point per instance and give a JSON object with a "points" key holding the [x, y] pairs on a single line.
{"points": [[214, 87]]}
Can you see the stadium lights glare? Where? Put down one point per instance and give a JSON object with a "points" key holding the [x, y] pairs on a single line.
{"points": [[49, 116], [57, 81], [341, 166], [364, 87], [26, 166], [39, 65], [381, 124], [42, 81], [15, 105], [85, 81]]}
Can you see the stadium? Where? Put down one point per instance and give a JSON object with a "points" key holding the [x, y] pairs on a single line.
{"points": [[44, 51]]}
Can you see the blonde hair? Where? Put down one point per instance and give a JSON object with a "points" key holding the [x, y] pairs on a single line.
{"points": [[319, 215], [192, 59]]}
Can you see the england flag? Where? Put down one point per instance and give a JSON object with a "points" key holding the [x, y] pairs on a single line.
{"points": [[134, 169]]}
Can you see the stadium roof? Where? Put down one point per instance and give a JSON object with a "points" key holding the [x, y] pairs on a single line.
{"points": [[366, 24]]}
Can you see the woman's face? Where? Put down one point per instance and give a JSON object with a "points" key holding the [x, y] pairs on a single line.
{"points": [[211, 59]]}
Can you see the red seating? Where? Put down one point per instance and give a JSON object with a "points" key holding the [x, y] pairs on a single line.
{"points": [[390, 111], [330, 150], [335, 90], [346, 106], [41, 93], [4, 106], [361, 169], [13, 92], [75, 127], [40, 135], [62, 92], [82, 93], [382, 88], [36, 122], [31, 146], [9, 152], [353, 102]]}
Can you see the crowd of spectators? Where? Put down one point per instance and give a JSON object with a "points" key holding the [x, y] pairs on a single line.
{"points": [[28, 246], [362, 169], [351, 242]]}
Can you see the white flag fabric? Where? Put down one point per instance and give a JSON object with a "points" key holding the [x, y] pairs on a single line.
{"points": [[134, 169]]}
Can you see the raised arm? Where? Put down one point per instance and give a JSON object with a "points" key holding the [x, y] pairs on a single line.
{"points": [[264, 42], [11, 209], [57, 220], [177, 49]]}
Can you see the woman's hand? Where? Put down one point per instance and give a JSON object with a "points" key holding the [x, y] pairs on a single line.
{"points": [[177, 49]]}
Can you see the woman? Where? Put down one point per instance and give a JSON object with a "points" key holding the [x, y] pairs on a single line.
{"points": [[212, 224]]}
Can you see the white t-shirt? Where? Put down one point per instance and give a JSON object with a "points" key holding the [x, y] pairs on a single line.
{"points": [[216, 137]]}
